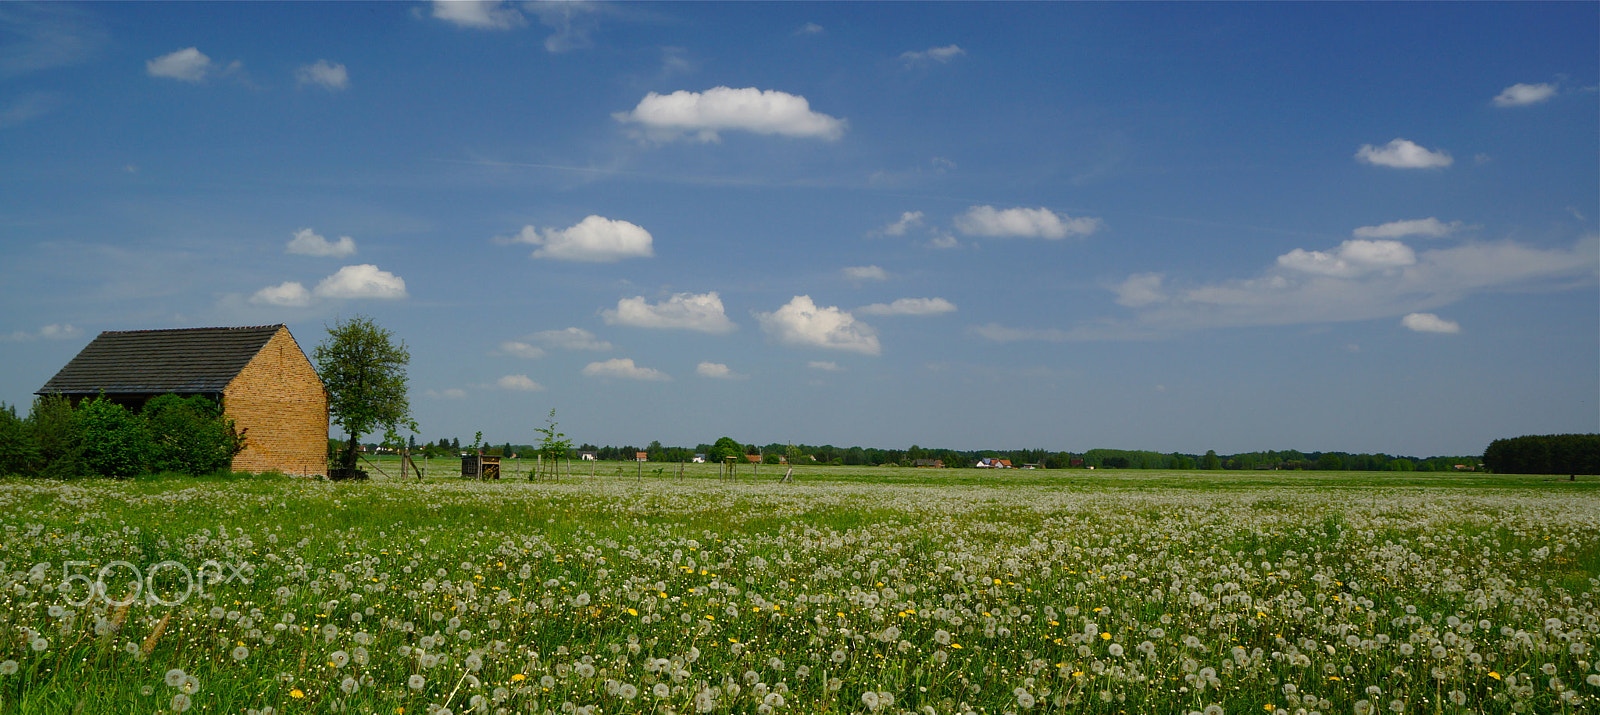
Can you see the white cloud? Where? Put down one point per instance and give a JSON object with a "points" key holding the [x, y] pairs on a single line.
{"points": [[188, 65], [363, 281], [518, 382], [944, 242], [666, 117], [1431, 227], [942, 55], [54, 331], [520, 349], [570, 339], [689, 311], [327, 75], [28, 107], [1002, 334], [801, 322], [909, 306], [825, 366], [865, 273], [1023, 223], [717, 370], [908, 220], [308, 243], [1522, 95], [572, 21], [478, 14], [1140, 289], [1429, 323], [595, 239], [810, 28], [625, 369], [453, 393], [289, 294], [1403, 154], [1352, 258], [1365, 280]]}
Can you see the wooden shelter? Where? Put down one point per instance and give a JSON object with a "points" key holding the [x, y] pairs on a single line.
{"points": [[259, 374]]}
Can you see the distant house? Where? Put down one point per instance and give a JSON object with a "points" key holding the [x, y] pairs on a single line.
{"points": [[753, 458], [258, 374], [641, 456], [993, 463], [699, 459], [587, 456], [929, 463]]}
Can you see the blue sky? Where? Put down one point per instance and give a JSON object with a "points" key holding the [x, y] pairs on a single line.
{"points": [[1315, 226]]}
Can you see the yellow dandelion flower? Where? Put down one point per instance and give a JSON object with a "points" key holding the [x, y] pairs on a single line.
{"points": [[633, 612], [710, 617], [297, 693], [1494, 675], [1269, 707], [1105, 636], [518, 678]]}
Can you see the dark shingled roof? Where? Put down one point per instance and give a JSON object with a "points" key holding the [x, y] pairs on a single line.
{"points": [[189, 360]]}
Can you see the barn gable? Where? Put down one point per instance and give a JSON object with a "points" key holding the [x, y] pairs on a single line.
{"points": [[259, 374]]}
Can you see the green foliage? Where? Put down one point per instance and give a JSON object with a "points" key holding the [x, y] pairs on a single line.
{"points": [[1545, 454], [364, 371], [59, 435], [725, 448], [555, 444], [190, 435], [19, 450], [116, 442]]}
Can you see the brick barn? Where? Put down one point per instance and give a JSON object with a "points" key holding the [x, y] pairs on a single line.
{"points": [[259, 374]]}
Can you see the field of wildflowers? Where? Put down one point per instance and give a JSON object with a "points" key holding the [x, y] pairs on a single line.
{"points": [[865, 594]]}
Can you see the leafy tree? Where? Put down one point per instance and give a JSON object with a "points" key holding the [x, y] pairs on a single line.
{"points": [[116, 442], [555, 444], [1211, 460], [724, 448], [59, 434], [190, 435], [364, 371], [19, 448]]}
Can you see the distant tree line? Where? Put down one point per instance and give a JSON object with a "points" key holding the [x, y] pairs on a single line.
{"points": [[828, 454], [100, 437], [1545, 454]]}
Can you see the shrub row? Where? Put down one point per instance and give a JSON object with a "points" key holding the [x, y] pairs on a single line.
{"points": [[103, 438]]}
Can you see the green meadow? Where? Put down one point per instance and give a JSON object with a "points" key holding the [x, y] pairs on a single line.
{"points": [[636, 588]]}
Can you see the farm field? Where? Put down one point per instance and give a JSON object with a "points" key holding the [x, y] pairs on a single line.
{"points": [[850, 590]]}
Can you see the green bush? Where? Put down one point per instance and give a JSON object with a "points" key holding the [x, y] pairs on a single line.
{"points": [[58, 433], [19, 450], [190, 435], [116, 442]]}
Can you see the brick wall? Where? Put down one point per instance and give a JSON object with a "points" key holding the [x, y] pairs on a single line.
{"points": [[279, 400]]}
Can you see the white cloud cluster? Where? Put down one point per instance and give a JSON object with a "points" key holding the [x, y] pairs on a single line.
{"points": [[800, 322], [327, 75], [362, 281], [1403, 154], [717, 371], [1430, 227], [689, 311], [1429, 323], [1003, 334], [520, 383], [519, 349], [625, 369], [907, 221], [307, 243], [1352, 258], [942, 55], [810, 28], [1140, 289], [1363, 280], [478, 14], [909, 306], [595, 239], [1522, 95], [452, 393], [1023, 223], [54, 331], [187, 65], [703, 115], [570, 339], [825, 366], [865, 273], [289, 294]]}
